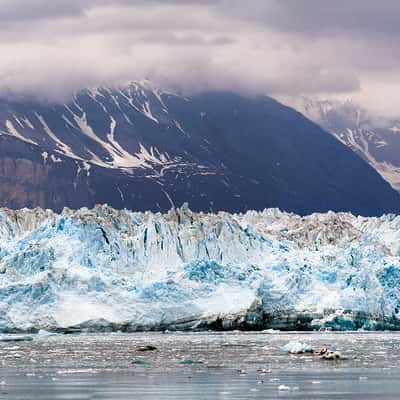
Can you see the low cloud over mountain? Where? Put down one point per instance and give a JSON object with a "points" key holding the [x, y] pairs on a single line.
{"points": [[280, 47]]}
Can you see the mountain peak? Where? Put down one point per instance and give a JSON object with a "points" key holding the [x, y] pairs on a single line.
{"points": [[138, 147], [374, 138]]}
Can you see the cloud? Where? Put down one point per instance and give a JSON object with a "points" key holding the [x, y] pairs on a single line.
{"points": [[51, 48], [322, 17]]}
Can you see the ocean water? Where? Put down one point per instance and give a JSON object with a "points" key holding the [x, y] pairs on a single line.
{"points": [[200, 366]]}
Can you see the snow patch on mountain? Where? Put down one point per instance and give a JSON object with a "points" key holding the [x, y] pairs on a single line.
{"points": [[373, 137], [141, 96]]}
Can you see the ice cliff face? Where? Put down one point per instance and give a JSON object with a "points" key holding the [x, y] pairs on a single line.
{"points": [[104, 269]]}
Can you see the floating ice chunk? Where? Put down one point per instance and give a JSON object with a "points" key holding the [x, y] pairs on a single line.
{"points": [[333, 355], [297, 348], [191, 362], [44, 333], [146, 348], [270, 331], [139, 362]]}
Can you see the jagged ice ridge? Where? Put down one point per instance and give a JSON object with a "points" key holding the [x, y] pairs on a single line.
{"points": [[104, 269]]}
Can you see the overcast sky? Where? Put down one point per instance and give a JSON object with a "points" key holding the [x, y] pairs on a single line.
{"points": [[345, 48]]}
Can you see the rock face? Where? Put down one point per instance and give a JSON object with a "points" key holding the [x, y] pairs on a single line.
{"points": [[103, 269], [375, 139], [145, 149]]}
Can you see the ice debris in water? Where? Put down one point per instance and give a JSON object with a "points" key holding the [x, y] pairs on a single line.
{"points": [[189, 361], [140, 362], [332, 355], [301, 348], [44, 333], [146, 348], [283, 387], [297, 348], [104, 269]]}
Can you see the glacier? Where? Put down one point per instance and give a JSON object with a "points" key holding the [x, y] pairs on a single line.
{"points": [[103, 269]]}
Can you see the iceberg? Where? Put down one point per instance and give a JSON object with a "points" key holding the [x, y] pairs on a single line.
{"points": [[297, 348], [106, 270]]}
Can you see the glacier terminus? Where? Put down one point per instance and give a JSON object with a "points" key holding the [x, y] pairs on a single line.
{"points": [[106, 270]]}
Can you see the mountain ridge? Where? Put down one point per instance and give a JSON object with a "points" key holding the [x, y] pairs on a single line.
{"points": [[141, 148], [375, 138]]}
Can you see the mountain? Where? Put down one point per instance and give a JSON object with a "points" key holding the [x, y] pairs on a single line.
{"points": [[145, 149], [104, 269], [376, 139]]}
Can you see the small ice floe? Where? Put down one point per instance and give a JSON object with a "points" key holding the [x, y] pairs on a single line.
{"points": [[12, 355], [191, 362], [77, 371], [16, 338], [321, 351], [264, 371], [215, 366], [146, 348], [297, 348], [324, 353], [139, 362], [332, 355], [44, 333], [283, 388], [270, 331]]}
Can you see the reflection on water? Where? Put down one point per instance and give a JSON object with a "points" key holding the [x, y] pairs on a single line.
{"points": [[199, 366]]}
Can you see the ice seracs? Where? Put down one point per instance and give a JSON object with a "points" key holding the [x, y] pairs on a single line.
{"points": [[104, 269]]}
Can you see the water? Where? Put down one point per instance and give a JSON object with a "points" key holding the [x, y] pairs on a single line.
{"points": [[200, 366]]}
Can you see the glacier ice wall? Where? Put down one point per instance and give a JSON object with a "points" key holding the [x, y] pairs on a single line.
{"points": [[105, 269]]}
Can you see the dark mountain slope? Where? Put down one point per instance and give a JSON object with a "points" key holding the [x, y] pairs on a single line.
{"points": [[141, 148]]}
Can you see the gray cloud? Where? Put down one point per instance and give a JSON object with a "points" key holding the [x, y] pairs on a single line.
{"points": [[21, 10], [323, 17], [51, 48]]}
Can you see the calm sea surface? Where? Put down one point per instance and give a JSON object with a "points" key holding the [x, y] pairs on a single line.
{"points": [[200, 366]]}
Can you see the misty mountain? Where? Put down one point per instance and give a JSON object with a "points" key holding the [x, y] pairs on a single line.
{"points": [[146, 149], [376, 139]]}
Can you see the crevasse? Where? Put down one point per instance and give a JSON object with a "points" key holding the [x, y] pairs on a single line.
{"points": [[104, 269]]}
